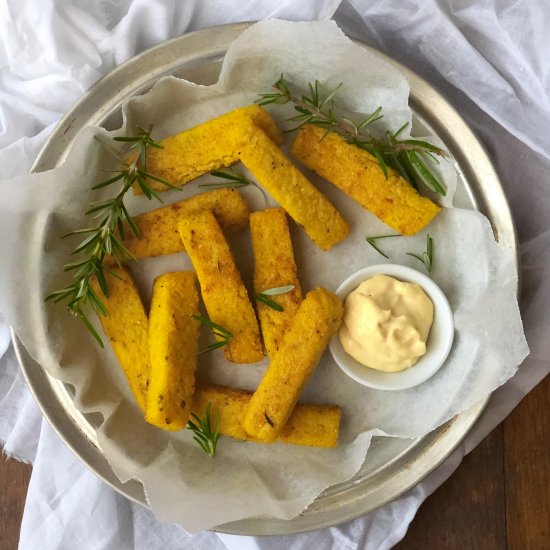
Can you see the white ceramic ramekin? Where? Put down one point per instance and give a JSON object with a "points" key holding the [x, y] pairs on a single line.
{"points": [[439, 341]]}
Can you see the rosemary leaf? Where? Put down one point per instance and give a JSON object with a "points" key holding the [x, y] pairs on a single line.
{"points": [[429, 250], [425, 175], [373, 117], [424, 145], [372, 242], [427, 257], [396, 135], [268, 302], [79, 232], [57, 295], [95, 301], [381, 161], [264, 296], [213, 346], [407, 169], [90, 327], [102, 282], [135, 229], [148, 175], [222, 185], [432, 157], [232, 180], [224, 335], [230, 175], [204, 433], [210, 324], [125, 139], [75, 265], [109, 181], [277, 290], [330, 96], [91, 240]]}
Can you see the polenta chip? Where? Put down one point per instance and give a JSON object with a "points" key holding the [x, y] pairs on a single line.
{"points": [[274, 267], [358, 174], [273, 401], [126, 327], [308, 425], [173, 346], [224, 295], [159, 228], [209, 146], [305, 204]]}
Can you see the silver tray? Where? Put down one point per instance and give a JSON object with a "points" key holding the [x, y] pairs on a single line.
{"points": [[392, 465]]}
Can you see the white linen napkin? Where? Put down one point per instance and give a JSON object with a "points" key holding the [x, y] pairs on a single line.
{"points": [[489, 60]]}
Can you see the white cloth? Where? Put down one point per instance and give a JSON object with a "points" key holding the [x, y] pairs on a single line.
{"points": [[489, 57]]}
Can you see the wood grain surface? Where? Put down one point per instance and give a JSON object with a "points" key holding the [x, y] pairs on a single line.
{"points": [[499, 497], [14, 480]]}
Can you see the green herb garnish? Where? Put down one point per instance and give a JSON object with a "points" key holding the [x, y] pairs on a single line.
{"points": [[407, 156], [372, 242], [233, 180], [204, 434], [223, 335], [427, 257], [264, 296], [102, 240]]}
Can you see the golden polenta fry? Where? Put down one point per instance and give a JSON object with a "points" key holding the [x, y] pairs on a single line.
{"points": [[173, 343], [209, 146], [358, 174], [126, 327], [222, 289], [273, 401], [304, 203], [274, 267], [159, 228], [308, 425]]}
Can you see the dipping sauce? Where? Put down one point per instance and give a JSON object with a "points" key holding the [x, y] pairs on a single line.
{"points": [[386, 323]]}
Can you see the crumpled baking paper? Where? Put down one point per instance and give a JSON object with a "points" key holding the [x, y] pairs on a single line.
{"points": [[246, 479]]}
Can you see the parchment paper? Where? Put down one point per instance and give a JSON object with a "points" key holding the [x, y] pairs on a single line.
{"points": [[245, 479]]}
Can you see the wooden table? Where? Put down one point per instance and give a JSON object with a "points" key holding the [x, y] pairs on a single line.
{"points": [[499, 498]]}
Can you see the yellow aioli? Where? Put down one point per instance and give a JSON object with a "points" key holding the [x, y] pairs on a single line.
{"points": [[386, 323]]}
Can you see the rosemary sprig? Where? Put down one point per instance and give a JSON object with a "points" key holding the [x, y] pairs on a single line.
{"points": [[233, 180], [427, 257], [372, 242], [102, 240], [264, 296], [408, 156], [223, 335], [205, 434]]}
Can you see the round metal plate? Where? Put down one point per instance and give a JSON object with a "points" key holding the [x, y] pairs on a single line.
{"points": [[392, 465]]}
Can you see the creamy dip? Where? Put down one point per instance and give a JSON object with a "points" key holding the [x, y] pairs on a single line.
{"points": [[386, 323]]}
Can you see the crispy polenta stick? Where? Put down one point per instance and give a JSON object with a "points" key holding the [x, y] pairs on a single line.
{"points": [[274, 267], [308, 425], [159, 228], [222, 289], [126, 327], [358, 174], [273, 401], [173, 343], [293, 191], [209, 146]]}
